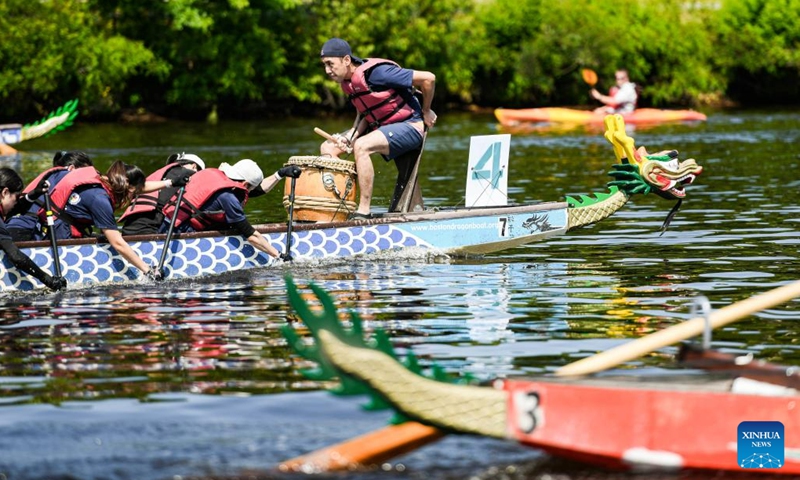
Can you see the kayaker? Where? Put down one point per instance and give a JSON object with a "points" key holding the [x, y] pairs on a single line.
{"points": [[84, 199], [621, 99], [214, 199], [391, 119], [145, 214], [10, 195], [25, 226]]}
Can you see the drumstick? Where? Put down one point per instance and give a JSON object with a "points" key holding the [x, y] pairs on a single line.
{"points": [[339, 143], [322, 133]]}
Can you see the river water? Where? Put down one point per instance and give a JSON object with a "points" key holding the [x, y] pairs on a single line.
{"points": [[192, 379]]}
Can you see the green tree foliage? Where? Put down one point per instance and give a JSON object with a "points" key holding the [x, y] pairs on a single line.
{"points": [[53, 50], [436, 35], [663, 44], [231, 52], [189, 57], [761, 53]]}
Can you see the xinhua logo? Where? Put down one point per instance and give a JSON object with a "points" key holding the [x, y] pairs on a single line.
{"points": [[760, 444]]}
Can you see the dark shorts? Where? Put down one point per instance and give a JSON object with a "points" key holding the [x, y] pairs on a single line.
{"points": [[402, 137]]}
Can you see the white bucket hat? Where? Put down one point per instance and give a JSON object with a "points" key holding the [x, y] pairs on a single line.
{"points": [[191, 157], [246, 170]]}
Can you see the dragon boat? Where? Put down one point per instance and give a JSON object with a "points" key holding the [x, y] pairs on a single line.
{"points": [[721, 412], [452, 231], [509, 117], [53, 122]]}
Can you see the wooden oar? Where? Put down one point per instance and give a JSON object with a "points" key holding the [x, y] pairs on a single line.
{"points": [[171, 229], [52, 234], [387, 442], [589, 76], [682, 331], [408, 191]]}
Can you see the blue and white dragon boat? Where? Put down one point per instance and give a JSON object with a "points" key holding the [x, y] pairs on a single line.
{"points": [[452, 231]]}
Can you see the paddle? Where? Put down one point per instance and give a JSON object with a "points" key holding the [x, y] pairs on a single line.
{"points": [[288, 255], [589, 76], [52, 234], [346, 455], [411, 185], [368, 449], [171, 229], [682, 331]]}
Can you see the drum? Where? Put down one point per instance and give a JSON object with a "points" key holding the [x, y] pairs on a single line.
{"points": [[325, 191]]}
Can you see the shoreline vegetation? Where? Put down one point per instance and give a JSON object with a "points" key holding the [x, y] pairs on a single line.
{"points": [[148, 60]]}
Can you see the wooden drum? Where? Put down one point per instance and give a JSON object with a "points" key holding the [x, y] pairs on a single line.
{"points": [[325, 191]]}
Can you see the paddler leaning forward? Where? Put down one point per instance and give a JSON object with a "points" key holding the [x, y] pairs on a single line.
{"points": [[214, 199]]}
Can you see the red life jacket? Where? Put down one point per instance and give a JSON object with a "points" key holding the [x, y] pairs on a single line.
{"points": [[43, 175], [59, 196], [201, 187], [147, 202], [379, 108]]}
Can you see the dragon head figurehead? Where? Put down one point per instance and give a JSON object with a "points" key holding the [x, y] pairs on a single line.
{"points": [[639, 172], [661, 173], [636, 172]]}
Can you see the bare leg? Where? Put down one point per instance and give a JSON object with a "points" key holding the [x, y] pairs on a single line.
{"points": [[365, 146]]}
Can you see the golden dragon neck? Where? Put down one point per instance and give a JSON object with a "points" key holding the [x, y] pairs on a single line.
{"points": [[587, 211], [461, 408]]}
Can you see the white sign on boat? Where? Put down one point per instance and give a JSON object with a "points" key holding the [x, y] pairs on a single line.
{"points": [[487, 172]]}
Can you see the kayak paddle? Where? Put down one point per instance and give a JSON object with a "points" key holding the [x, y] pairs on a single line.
{"points": [[589, 76]]}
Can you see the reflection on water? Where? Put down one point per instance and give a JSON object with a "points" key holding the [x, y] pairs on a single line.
{"points": [[528, 310]]}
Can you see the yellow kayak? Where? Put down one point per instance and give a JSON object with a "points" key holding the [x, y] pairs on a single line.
{"points": [[509, 117]]}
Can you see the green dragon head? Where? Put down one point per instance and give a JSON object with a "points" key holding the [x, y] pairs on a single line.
{"points": [[638, 172], [661, 173]]}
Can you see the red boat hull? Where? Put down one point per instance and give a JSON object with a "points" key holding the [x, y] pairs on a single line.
{"points": [[646, 427]]}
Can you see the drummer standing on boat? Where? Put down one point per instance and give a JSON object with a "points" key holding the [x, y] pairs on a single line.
{"points": [[621, 99], [391, 120]]}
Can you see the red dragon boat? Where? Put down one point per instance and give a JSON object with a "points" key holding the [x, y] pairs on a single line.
{"points": [[704, 416]]}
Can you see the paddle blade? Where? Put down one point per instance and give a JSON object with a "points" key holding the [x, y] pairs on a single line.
{"points": [[369, 449], [589, 76]]}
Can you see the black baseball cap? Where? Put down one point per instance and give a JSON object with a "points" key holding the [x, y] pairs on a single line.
{"points": [[336, 47]]}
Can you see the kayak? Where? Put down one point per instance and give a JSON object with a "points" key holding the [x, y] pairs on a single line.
{"points": [[509, 117]]}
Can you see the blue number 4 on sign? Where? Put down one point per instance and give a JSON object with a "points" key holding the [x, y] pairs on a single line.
{"points": [[760, 444], [487, 171]]}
